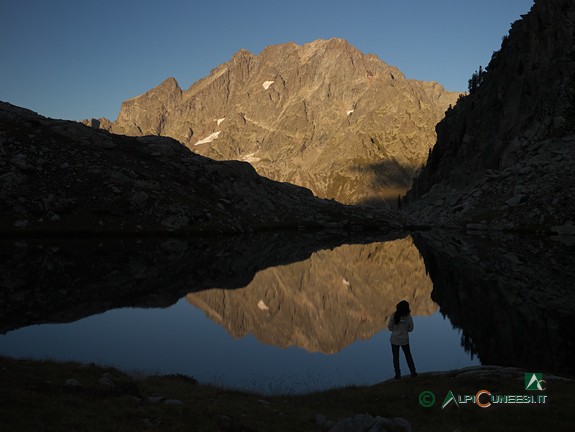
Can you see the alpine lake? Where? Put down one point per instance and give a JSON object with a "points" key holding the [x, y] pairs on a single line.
{"points": [[289, 313]]}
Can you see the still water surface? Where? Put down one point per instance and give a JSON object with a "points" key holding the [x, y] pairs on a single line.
{"points": [[307, 325], [290, 312], [181, 339]]}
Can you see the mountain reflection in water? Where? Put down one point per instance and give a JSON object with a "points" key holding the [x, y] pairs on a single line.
{"points": [[326, 302], [510, 299]]}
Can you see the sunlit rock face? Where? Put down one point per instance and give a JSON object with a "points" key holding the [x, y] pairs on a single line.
{"points": [[327, 302], [505, 154], [321, 115]]}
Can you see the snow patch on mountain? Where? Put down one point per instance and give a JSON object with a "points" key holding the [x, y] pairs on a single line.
{"points": [[209, 139]]}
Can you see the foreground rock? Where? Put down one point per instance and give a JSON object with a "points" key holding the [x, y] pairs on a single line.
{"points": [[505, 154], [321, 115], [59, 176], [369, 423]]}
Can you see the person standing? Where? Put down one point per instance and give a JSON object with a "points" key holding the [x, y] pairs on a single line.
{"points": [[400, 325]]}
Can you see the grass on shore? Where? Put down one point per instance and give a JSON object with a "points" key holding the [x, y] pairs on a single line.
{"points": [[34, 396]]}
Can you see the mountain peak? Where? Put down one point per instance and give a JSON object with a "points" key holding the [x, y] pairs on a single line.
{"points": [[316, 46], [242, 54], [332, 42], [169, 84], [321, 114], [324, 45], [170, 81]]}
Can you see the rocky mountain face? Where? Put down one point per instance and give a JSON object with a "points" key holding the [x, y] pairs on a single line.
{"points": [[59, 176], [326, 302], [322, 115], [505, 153]]}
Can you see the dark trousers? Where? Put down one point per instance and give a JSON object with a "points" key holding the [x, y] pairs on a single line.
{"points": [[408, 357]]}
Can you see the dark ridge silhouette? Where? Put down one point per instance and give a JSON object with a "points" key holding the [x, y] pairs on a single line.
{"points": [[523, 91], [505, 153]]}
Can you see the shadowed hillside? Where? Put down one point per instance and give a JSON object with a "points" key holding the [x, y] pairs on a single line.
{"points": [[505, 154]]}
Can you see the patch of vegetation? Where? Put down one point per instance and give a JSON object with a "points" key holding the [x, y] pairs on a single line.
{"points": [[476, 80]]}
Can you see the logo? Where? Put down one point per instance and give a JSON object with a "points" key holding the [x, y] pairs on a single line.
{"points": [[426, 399], [484, 398], [448, 399], [484, 404], [534, 381]]}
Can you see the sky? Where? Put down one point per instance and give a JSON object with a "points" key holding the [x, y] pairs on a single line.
{"points": [[75, 59]]}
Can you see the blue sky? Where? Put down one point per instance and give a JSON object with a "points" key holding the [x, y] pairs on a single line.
{"points": [[75, 59]]}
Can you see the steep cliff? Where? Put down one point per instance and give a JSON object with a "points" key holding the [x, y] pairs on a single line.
{"points": [[505, 153], [322, 115]]}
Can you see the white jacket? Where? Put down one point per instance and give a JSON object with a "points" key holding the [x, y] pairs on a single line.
{"points": [[400, 331]]}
